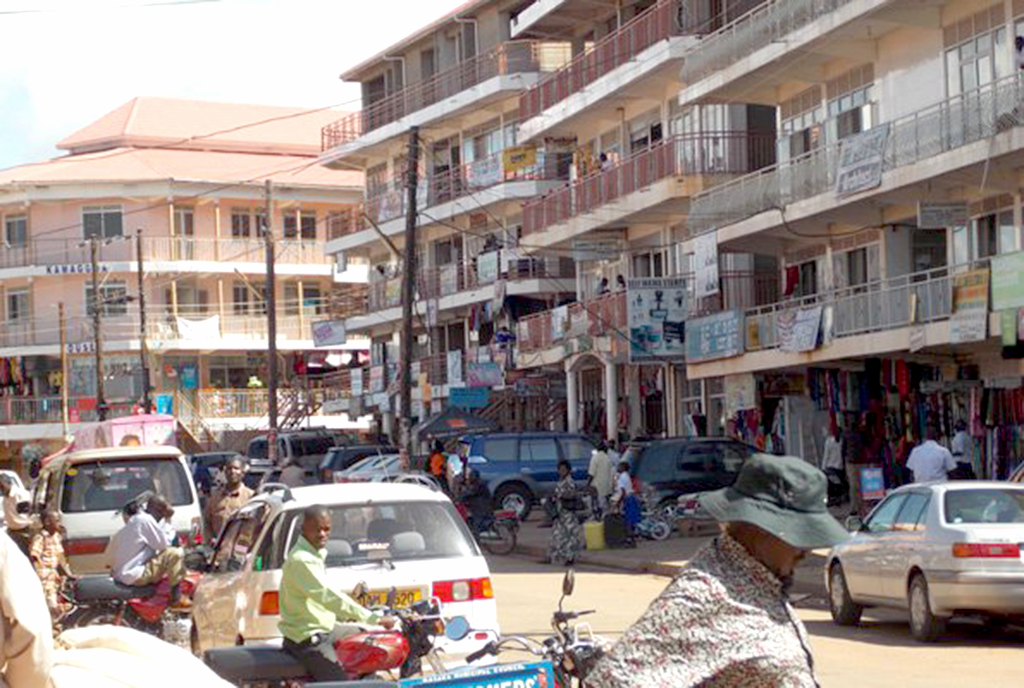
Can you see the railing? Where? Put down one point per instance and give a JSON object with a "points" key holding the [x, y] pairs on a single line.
{"points": [[48, 409], [514, 57], [251, 403], [946, 126], [603, 315], [704, 154], [485, 268], [614, 50], [69, 255], [760, 27], [876, 306], [465, 180]]}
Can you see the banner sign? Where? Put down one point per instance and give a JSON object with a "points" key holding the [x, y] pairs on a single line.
{"points": [[377, 383], [484, 173], [533, 675], [455, 367], [469, 397], [484, 375], [357, 382], [208, 328], [872, 483], [658, 307], [1008, 281], [798, 329], [941, 215], [715, 336], [969, 322], [596, 249], [449, 279], [740, 393], [861, 158], [519, 158], [328, 333], [487, 267], [705, 259]]}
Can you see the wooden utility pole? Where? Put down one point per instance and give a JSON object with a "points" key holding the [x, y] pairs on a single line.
{"points": [[147, 402], [271, 301], [64, 377], [97, 335], [409, 290]]}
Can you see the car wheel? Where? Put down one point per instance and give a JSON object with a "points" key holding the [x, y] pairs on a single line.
{"points": [[515, 498], [924, 625], [845, 612]]}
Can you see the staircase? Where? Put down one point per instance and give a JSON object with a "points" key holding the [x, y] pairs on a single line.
{"points": [[197, 436]]}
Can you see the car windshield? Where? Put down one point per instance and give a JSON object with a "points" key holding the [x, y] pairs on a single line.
{"points": [[382, 464], [995, 505], [401, 531], [109, 485]]}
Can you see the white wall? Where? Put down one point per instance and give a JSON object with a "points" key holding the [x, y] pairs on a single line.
{"points": [[909, 71]]}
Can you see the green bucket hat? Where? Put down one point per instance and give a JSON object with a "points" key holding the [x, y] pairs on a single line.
{"points": [[783, 495]]}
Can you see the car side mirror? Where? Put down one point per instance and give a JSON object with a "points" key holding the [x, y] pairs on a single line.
{"points": [[457, 628], [854, 524]]}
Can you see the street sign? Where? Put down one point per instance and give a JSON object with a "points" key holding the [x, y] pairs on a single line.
{"points": [[941, 215]]}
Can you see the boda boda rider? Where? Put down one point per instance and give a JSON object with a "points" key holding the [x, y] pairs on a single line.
{"points": [[142, 553], [313, 615]]}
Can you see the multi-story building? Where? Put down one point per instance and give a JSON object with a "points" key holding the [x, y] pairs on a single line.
{"points": [[777, 214], [188, 179]]}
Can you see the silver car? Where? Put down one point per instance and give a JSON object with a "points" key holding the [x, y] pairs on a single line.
{"points": [[937, 550]]}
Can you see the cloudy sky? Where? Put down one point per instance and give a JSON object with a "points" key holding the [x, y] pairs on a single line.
{"points": [[63, 63]]}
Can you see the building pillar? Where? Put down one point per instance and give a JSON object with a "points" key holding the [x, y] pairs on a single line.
{"points": [[611, 400], [572, 402]]}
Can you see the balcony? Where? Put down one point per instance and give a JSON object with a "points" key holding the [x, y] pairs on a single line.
{"points": [[604, 315], [253, 403], [919, 136], [48, 409], [514, 57], [709, 155]]}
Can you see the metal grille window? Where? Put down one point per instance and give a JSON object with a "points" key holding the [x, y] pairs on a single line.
{"points": [[16, 231], [113, 299], [241, 223], [103, 222], [300, 225], [17, 305], [977, 51]]}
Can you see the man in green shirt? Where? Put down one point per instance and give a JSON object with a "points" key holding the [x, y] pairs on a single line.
{"points": [[310, 609]]}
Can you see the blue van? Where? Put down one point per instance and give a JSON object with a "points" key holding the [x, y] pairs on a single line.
{"points": [[520, 468]]}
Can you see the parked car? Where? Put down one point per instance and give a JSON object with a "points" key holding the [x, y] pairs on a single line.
{"points": [[337, 459], [389, 536], [681, 466], [307, 446], [521, 468], [937, 550], [90, 487]]}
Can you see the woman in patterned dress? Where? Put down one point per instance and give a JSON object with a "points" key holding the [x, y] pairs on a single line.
{"points": [[567, 534]]}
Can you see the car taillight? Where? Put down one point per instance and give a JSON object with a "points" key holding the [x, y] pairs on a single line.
{"points": [[986, 550], [86, 546], [464, 590], [270, 604]]}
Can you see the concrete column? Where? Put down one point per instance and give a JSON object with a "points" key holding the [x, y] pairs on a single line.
{"points": [[611, 400], [572, 401]]}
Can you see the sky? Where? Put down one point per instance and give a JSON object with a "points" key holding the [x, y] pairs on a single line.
{"points": [[64, 63]]}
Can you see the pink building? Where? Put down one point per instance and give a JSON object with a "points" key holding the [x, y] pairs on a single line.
{"points": [[190, 178]]}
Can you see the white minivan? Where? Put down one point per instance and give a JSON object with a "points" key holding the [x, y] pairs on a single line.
{"points": [[89, 488]]}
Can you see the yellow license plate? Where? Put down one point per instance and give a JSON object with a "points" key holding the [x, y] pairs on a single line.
{"points": [[404, 597]]}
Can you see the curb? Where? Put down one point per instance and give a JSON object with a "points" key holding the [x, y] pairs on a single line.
{"points": [[656, 568]]}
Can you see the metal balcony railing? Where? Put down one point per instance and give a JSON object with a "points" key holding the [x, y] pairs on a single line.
{"points": [[514, 57], [48, 409], [719, 153], [946, 126], [250, 403]]}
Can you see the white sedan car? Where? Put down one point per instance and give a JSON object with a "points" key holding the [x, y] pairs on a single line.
{"points": [[387, 535], [937, 550]]}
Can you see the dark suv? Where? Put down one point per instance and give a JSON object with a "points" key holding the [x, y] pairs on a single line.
{"points": [[520, 468], [675, 467]]}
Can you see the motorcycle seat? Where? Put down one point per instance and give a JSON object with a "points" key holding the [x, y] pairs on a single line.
{"points": [[96, 588], [254, 663]]}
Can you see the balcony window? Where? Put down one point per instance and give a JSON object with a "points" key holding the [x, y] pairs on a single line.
{"points": [[975, 58], [17, 305], [376, 180], [241, 223], [184, 222], [113, 299], [309, 297], [102, 222], [300, 225], [16, 231]]}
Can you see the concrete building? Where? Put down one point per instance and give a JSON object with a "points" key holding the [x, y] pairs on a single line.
{"points": [[189, 178]]}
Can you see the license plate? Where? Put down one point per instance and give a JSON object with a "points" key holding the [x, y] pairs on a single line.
{"points": [[404, 597]]}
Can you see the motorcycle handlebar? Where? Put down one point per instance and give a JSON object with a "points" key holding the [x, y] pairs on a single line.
{"points": [[488, 649], [569, 616]]}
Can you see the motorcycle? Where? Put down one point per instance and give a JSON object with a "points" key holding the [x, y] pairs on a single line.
{"points": [[501, 535], [364, 656]]}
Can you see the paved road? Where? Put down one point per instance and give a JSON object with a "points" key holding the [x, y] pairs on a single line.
{"points": [[880, 652]]}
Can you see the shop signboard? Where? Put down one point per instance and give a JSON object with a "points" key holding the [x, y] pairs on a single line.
{"points": [[328, 333], [533, 675], [872, 483], [705, 259], [861, 159], [377, 383], [165, 404], [487, 267], [657, 317], [484, 173], [941, 214], [393, 292], [798, 329], [357, 382], [483, 374], [1008, 281], [559, 320], [714, 336], [969, 322], [190, 376], [449, 279], [469, 397], [590, 250], [1008, 326], [454, 367], [740, 393], [519, 159]]}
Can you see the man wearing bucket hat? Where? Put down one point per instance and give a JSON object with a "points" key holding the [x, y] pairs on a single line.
{"points": [[726, 619]]}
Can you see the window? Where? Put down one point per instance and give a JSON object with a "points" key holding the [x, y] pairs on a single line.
{"points": [[801, 118], [311, 298], [113, 299], [108, 485], [241, 223], [884, 515], [576, 449], [17, 303], [539, 450], [699, 458], [997, 505], [103, 222], [240, 298], [503, 450], [912, 512], [851, 102], [184, 222], [300, 225], [976, 54], [16, 231]]}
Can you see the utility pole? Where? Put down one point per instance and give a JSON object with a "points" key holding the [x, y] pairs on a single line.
{"points": [[147, 402], [409, 290], [271, 302], [97, 304], [64, 378]]}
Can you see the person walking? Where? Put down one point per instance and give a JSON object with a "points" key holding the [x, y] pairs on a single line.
{"points": [[47, 555], [959, 447], [599, 475], [566, 534], [726, 619], [930, 461], [834, 467]]}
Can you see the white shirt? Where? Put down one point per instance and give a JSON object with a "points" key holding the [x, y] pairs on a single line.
{"points": [[12, 518], [26, 637], [832, 455], [959, 446], [134, 545], [930, 462], [600, 471], [624, 483]]}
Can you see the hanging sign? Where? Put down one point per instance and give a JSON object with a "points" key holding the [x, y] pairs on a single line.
{"points": [[969, 322], [941, 215], [1008, 281], [328, 333], [714, 336], [658, 307], [705, 258], [798, 329], [518, 158], [861, 160]]}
